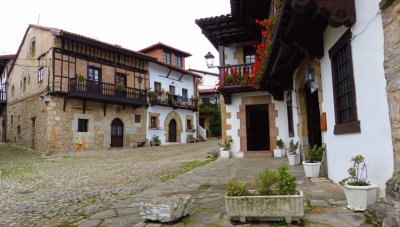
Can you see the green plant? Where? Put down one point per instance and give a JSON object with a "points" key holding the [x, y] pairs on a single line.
{"points": [[156, 139], [190, 137], [280, 144], [215, 124], [292, 148], [173, 101], [237, 188], [265, 180], [358, 173], [286, 182], [119, 86], [315, 154], [226, 145], [229, 79], [80, 78], [152, 94]]}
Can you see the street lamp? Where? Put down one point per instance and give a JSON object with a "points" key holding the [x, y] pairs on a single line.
{"points": [[209, 60]]}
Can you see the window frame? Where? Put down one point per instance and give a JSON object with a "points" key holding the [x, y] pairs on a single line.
{"points": [[40, 75], [184, 92], [352, 126], [99, 79], [137, 118], [248, 53], [157, 84], [153, 124], [178, 61], [189, 124], [166, 57], [83, 127]]}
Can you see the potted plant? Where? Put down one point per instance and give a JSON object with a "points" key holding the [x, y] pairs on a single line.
{"points": [[80, 78], [275, 198], [155, 141], [152, 96], [359, 192], [293, 156], [280, 151], [190, 138], [120, 89], [313, 163], [225, 149]]}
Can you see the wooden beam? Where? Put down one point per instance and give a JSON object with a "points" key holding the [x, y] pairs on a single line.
{"points": [[168, 73], [181, 77]]}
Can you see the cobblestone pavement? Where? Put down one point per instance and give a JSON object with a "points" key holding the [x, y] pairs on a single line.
{"points": [[45, 191], [325, 201]]}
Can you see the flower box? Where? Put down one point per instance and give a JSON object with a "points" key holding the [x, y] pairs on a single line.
{"points": [[358, 197], [269, 208]]}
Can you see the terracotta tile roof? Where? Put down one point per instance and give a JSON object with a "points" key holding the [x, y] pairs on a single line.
{"points": [[214, 20], [208, 90], [161, 45]]}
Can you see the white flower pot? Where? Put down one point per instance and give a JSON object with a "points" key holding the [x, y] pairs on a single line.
{"points": [[279, 153], [224, 154], [311, 169], [358, 197], [294, 159]]}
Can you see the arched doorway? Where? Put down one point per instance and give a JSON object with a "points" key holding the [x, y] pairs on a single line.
{"points": [[117, 133], [172, 131]]}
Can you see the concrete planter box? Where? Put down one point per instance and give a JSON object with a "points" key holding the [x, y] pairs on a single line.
{"points": [[294, 159], [279, 153], [311, 169], [224, 154], [358, 197], [273, 208]]}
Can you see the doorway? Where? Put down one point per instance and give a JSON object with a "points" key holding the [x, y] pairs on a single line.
{"points": [[33, 133], [313, 117], [257, 125], [117, 133], [172, 131]]}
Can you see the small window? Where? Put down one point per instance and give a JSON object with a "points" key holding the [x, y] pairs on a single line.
{"points": [[157, 86], [12, 119], [12, 91], [248, 54], [184, 92], [166, 57], [40, 75], [178, 61], [153, 122], [343, 86], [83, 125], [172, 90], [137, 118], [189, 124], [19, 130], [24, 84], [32, 48]]}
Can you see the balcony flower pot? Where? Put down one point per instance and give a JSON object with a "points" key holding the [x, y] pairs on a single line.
{"points": [[359, 192], [268, 207]]}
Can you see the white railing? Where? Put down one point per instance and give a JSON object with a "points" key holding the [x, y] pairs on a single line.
{"points": [[202, 132]]}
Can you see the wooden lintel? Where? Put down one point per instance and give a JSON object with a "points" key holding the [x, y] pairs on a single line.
{"points": [[181, 77], [104, 109], [169, 73], [84, 106]]}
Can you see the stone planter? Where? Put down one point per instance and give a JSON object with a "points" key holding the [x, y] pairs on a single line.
{"points": [[311, 169], [358, 197], [224, 154], [294, 159], [271, 208], [279, 153]]}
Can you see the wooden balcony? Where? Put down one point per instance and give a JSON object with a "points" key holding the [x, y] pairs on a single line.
{"points": [[106, 93], [175, 101], [234, 79], [3, 96]]}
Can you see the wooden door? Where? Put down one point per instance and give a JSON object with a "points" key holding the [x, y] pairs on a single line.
{"points": [[257, 123], [172, 131], [313, 118], [117, 133]]}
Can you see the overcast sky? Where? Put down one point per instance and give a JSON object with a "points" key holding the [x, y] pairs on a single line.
{"points": [[133, 24]]}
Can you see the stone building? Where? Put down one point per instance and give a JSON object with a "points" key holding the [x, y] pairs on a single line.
{"points": [[5, 63], [68, 92], [172, 114], [321, 81]]}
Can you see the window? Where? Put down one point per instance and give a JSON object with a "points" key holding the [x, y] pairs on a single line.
{"points": [[189, 124], [12, 91], [12, 119], [24, 84], [184, 92], [343, 86], [32, 48], [166, 57], [40, 75], [153, 122], [83, 125], [120, 78], [172, 90], [137, 118], [178, 61], [94, 74], [19, 130], [157, 86], [248, 54]]}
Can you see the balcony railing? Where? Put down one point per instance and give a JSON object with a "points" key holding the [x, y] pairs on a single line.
{"points": [[3, 96], [175, 101], [106, 92], [235, 75]]}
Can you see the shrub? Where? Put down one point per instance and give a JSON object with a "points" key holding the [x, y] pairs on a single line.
{"points": [[80, 78], [156, 139], [286, 182], [226, 145], [280, 144], [265, 180], [293, 147], [152, 94], [120, 86], [236, 188], [315, 153], [358, 173]]}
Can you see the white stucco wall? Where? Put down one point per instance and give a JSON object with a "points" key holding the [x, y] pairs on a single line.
{"points": [[281, 120], [164, 111], [208, 81], [158, 73], [374, 141]]}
